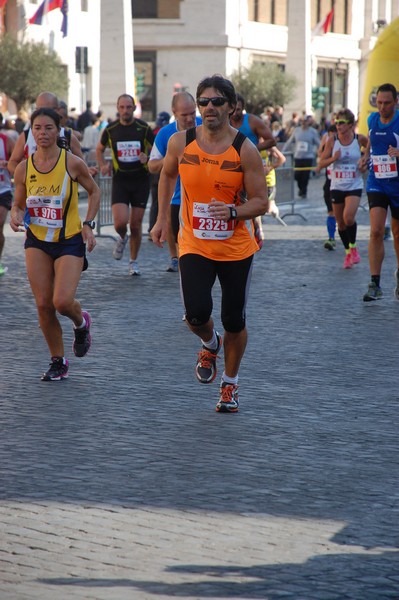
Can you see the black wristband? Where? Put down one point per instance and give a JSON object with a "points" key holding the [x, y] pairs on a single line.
{"points": [[91, 224], [233, 213]]}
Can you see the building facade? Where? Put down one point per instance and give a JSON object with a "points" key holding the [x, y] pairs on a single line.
{"points": [[97, 52], [152, 48], [176, 42], [82, 18]]}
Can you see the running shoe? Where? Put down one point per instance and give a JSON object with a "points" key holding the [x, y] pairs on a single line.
{"points": [[82, 341], [119, 247], [3, 270], [348, 263], [134, 270], [387, 232], [228, 401], [396, 290], [373, 293], [58, 370], [174, 265], [355, 256], [330, 244], [205, 368]]}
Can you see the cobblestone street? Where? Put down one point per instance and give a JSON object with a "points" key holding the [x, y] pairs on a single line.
{"points": [[123, 483]]}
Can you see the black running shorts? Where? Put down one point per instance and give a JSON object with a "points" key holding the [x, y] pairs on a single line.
{"points": [[197, 276]]}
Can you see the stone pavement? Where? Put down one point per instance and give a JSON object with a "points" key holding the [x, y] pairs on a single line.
{"points": [[123, 483]]}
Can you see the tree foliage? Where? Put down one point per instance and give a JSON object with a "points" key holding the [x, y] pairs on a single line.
{"points": [[263, 84], [28, 68]]}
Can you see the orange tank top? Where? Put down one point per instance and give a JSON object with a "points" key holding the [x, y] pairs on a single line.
{"points": [[203, 177]]}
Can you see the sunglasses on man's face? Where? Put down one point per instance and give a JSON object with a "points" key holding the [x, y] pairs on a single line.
{"points": [[342, 122], [216, 101]]}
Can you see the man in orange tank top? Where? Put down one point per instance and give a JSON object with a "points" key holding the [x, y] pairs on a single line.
{"points": [[223, 189]]}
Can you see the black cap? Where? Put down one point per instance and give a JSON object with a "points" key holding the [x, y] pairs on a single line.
{"points": [[163, 119]]}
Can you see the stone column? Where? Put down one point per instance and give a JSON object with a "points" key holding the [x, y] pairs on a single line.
{"points": [[116, 53], [298, 61]]}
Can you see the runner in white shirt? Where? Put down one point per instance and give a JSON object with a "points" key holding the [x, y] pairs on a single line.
{"points": [[343, 153]]}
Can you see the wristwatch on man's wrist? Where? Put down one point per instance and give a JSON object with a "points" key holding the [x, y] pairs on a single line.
{"points": [[233, 213], [91, 224]]}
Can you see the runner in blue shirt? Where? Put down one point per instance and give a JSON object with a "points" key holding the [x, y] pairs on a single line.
{"points": [[184, 111], [382, 184]]}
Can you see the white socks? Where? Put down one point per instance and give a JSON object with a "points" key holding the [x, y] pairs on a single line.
{"points": [[226, 379], [82, 325], [213, 342]]}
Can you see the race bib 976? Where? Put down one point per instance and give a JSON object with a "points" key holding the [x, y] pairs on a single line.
{"points": [[45, 211]]}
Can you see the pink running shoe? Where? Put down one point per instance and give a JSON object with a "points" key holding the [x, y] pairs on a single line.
{"points": [[355, 256], [82, 341], [348, 263]]}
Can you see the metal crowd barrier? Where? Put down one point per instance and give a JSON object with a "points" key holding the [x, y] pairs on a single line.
{"points": [[285, 195], [285, 187], [104, 215], [365, 204]]}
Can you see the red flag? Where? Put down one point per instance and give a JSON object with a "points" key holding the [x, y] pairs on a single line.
{"points": [[328, 21], [45, 7], [324, 26]]}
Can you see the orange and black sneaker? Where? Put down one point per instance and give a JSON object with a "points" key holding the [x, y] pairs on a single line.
{"points": [[228, 401], [205, 368]]}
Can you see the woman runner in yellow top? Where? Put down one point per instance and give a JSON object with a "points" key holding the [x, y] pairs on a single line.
{"points": [[47, 185]]}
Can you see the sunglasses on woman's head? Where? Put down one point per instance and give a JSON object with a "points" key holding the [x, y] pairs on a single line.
{"points": [[342, 122], [216, 101]]}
